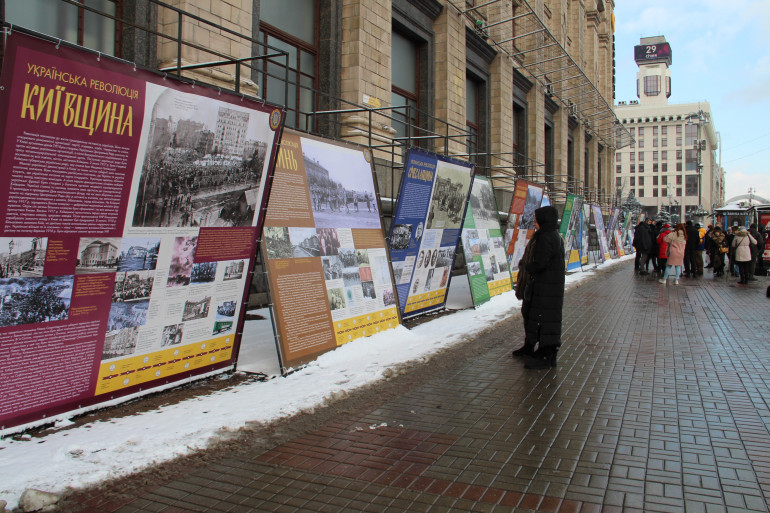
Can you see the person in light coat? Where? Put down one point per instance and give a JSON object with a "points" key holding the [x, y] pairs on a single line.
{"points": [[677, 242], [742, 244]]}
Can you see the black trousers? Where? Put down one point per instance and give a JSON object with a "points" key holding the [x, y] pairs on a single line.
{"points": [[743, 268], [690, 263]]}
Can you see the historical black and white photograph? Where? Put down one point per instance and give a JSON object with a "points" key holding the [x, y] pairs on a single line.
{"points": [[532, 203], [203, 163], [277, 242], [329, 240], [305, 242], [234, 270], [172, 335], [474, 268], [362, 256], [22, 256], [120, 343], [348, 257], [493, 266], [484, 205], [129, 314], [138, 254], [332, 267], [203, 272], [182, 257], [445, 257], [225, 318], [351, 277], [341, 186], [398, 271], [429, 279], [33, 300], [336, 298], [368, 288], [450, 191], [98, 255], [421, 257], [196, 309], [133, 285], [490, 273], [434, 258], [400, 235]]}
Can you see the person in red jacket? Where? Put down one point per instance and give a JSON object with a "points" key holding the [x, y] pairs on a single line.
{"points": [[663, 245]]}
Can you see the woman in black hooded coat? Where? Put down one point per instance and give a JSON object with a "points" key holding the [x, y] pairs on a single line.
{"points": [[541, 307]]}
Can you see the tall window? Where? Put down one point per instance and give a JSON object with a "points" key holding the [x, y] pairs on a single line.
{"points": [[68, 22], [296, 35], [691, 185], [549, 150], [472, 116], [519, 135], [690, 160], [690, 135], [405, 90], [652, 85]]}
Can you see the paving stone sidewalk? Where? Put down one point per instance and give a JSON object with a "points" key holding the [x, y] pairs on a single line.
{"points": [[660, 403]]}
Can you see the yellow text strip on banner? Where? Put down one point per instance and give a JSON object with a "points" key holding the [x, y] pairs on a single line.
{"points": [[365, 325], [499, 286], [168, 362], [426, 300]]}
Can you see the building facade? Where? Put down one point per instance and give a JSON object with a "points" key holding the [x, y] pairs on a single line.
{"points": [[672, 166], [522, 88]]}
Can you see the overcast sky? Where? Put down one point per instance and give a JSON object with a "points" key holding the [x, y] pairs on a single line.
{"points": [[721, 54]]}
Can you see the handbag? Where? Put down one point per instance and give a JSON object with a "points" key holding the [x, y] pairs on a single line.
{"points": [[723, 249]]}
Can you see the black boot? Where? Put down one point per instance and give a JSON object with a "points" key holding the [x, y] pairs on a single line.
{"points": [[542, 359], [524, 350]]}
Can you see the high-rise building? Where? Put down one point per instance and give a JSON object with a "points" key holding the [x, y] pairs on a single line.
{"points": [[671, 168]]}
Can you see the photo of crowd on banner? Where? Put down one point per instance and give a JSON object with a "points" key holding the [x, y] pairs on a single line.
{"points": [[34, 300], [203, 161], [341, 196]]}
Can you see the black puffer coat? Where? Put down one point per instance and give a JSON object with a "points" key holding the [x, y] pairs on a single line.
{"points": [[542, 313]]}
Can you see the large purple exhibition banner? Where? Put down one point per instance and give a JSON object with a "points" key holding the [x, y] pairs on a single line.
{"points": [[131, 205]]}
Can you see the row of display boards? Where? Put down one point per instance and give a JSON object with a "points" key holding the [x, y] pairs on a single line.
{"points": [[134, 205]]}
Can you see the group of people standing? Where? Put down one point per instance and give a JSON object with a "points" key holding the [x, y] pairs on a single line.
{"points": [[689, 248], [541, 275]]}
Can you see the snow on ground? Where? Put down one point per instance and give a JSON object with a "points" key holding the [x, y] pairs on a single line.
{"points": [[107, 449]]}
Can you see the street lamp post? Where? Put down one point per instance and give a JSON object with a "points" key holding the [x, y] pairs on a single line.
{"points": [[699, 147], [8, 265]]}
